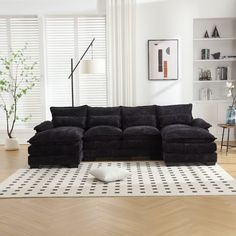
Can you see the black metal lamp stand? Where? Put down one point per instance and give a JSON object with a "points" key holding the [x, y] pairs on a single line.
{"points": [[74, 68]]}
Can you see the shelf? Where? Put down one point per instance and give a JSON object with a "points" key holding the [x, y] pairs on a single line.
{"points": [[213, 110], [212, 101], [212, 81], [214, 39], [215, 60]]}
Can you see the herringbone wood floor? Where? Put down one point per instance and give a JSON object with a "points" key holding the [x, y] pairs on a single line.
{"points": [[139, 216]]}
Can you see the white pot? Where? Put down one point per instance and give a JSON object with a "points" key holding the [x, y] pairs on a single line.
{"points": [[11, 144]]}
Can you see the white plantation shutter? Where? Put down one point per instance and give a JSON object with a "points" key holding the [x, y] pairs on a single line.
{"points": [[3, 38], [60, 49], [3, 53], [92, 88], [66, 38], [26, 31], [21, 31]]}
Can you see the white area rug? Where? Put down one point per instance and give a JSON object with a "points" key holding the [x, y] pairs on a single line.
{"points": [[147, 179]]}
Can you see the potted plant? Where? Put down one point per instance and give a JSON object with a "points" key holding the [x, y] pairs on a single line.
{"points": [[231, 112], [16, 79]]}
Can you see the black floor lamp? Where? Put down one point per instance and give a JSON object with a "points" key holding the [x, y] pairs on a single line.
{"points": [[91, 66]]}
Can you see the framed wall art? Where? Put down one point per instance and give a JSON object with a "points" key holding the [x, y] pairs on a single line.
{"points": [[163, 59]]}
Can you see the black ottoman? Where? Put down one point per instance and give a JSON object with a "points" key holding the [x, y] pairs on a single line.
{"points": [[188, 144], [57, 146]]}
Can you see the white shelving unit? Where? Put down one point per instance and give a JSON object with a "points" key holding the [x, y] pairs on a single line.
{"points": [[213, 108], [211, 81], [213, 39], [214, 60]]}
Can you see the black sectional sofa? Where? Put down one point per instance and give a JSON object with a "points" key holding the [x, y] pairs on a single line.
{"points": [[122, 133]]}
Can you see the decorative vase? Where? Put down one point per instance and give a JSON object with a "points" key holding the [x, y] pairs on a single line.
{"points": [[216, 55], [11, 144], [230, 115], [205, 54]]}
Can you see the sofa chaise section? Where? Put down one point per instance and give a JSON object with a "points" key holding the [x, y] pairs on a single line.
{"points": [[184, 139], [59, 142]]}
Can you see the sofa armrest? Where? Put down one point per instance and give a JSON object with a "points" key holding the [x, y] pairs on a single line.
{"points": [[198, 122], [43, 126]]}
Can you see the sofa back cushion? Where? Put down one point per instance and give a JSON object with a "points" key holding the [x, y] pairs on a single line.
{"points": [[140, 115], [174, 114], [104, 116], [69, 116]]}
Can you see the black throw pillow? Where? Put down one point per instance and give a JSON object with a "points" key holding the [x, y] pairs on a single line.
{"points": [[79, 121], [69, 116], [139, 115], [104, 120], [198, 122], [174, 114], [43, 126], [140, 120]]}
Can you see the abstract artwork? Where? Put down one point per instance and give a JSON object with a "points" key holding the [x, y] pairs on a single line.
{"points": [[163, 59]]}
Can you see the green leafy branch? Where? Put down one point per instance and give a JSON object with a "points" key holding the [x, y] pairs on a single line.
{"points": [[17, 78]]}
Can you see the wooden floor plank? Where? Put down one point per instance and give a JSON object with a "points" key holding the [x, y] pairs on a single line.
{"points": [[137, 216]]}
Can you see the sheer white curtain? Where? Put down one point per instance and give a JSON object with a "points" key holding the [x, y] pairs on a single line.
{"points": [[121, 51]]}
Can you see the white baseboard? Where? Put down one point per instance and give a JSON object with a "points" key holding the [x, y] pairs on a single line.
{"points": [[22, 135]]}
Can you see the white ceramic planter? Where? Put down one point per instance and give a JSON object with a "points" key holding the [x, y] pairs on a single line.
{"points": [[11, 144]]}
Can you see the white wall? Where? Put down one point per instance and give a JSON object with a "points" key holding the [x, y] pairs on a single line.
{"points": [[163, 19], [42, 7]]}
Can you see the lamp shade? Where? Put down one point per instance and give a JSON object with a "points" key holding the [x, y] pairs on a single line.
{"points": [[93, 66]]}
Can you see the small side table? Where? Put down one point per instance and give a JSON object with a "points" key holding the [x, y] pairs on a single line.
{"points": [[226, 126]]}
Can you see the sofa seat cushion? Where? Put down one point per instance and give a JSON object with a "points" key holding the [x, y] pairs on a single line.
{"points": [[55, 149], [142, 144], [142, 132], [103, 132], [180, 133], [59, 135], [178, 158], [101, 144]]}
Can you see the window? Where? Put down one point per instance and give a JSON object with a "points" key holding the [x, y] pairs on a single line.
{"points": [[66, 38], [60, 44], [92, 88], [15, 32]]}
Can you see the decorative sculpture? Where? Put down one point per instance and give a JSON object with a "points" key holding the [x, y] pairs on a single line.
{"points": [[215, 33], [206, 35]]}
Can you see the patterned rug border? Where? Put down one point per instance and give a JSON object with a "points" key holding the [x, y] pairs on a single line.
{"points": [[145, 181]]}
